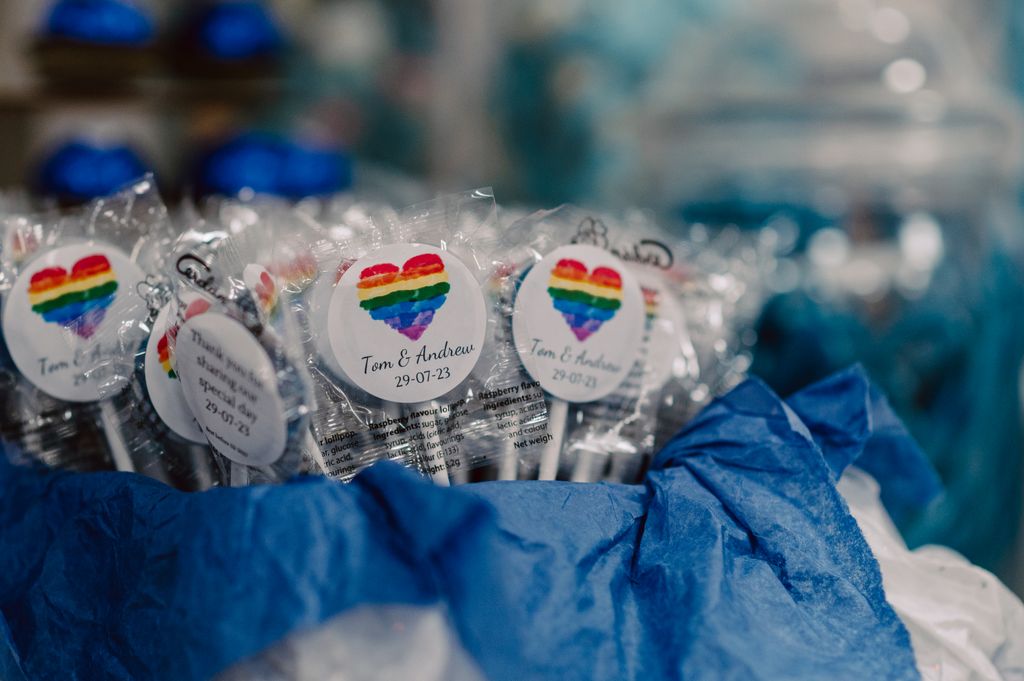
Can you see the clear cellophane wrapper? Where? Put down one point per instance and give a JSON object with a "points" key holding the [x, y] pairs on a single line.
{"points": [[609, 438], [462, 435], [60, 433], [212, 271], [180, 458]]}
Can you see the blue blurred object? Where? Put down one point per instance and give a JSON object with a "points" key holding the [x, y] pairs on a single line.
{"points": [[736, 559], [103, 22], [80, 171], [238, 30], [273, 165]]}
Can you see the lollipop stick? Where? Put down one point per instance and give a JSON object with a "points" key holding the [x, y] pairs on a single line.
{"points": [[239, 475], [558, 415], [584, 465], [622, 465], [458, 475], [118, 450], [509, 468], [200, 463]]}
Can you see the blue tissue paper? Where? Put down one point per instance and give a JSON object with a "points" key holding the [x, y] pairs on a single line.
{"points": [[736, 559], [907, 479]]}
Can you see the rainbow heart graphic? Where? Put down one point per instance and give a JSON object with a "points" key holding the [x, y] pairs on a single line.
{"points": [[651, 302], [405, 298], [78, 301], [163, 350], [163, 346], [586, 299]]}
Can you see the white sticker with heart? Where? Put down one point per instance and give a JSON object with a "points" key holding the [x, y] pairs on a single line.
{"points": [[578, 322], [407, 323], [163, 385], [59, 308]]}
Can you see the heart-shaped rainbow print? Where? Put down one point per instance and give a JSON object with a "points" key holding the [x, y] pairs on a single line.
{"points": [[405, 298], [586, 299], [163, 346], [77, 301], [651, 297], [163, 350]]}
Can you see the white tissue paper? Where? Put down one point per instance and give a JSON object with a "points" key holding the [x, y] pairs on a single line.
{"points": [[964, 624], [364, 644]]}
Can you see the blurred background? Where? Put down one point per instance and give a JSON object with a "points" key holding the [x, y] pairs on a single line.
{"points": [[873, 148]]}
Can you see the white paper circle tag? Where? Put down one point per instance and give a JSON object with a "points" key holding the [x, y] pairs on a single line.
{"points": [[665, 328], [578, 322], [163, 386], [56, 307], [230, 385], [407, 323]]}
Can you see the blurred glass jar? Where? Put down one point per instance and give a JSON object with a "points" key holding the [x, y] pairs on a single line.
{"points": [[861, 140]]}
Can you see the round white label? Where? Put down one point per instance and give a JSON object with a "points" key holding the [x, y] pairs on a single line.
{"points": [[665, 328], [58, 305], [163, 386], [578, 322], [407, 323], [230, 385], [319, 302]]}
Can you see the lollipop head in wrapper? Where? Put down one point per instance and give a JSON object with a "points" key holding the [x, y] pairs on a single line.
{"points": [[295, 271]]}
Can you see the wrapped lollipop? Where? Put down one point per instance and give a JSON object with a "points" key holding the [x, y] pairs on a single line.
{"points": [[290, 266], [134, 373], [705, 290], [69, 281], [236, 350], [411, 368], [578, 327], [340, 442], [519, 399], [667, 375]]}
